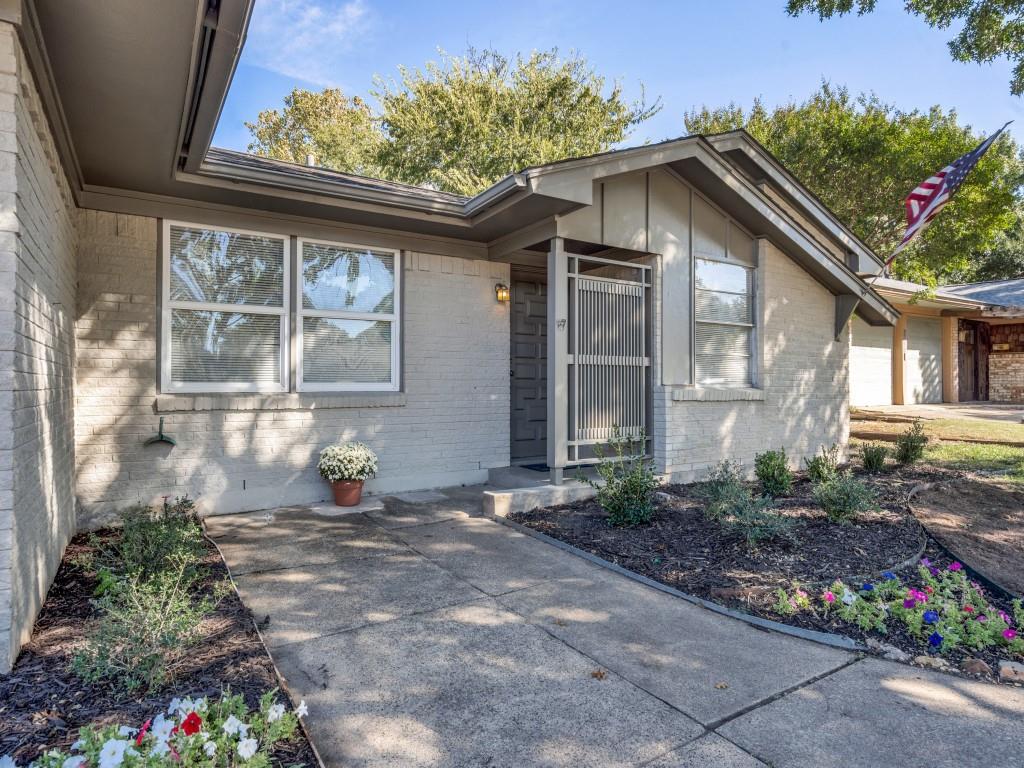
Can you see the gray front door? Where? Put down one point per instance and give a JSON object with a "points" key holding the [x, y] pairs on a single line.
{"points": [[529, 358]]}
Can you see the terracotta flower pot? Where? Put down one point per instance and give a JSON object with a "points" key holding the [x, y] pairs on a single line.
{"points": [[347, 492]]}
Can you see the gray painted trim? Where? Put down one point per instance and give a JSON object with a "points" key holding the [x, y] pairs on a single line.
{"points": [[824, 638], [290, 401]]}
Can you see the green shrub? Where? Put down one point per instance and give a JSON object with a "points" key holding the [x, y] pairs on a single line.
{"points": [[626, 492], [150, 600], [757, 521], [873, 457], [144, 630], [772, 469], [823, 467], [722, 488], [844, 497], [910, 444]]}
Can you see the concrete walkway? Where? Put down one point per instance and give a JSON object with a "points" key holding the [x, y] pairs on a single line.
{"points": [[421, 634], [974, 410]]}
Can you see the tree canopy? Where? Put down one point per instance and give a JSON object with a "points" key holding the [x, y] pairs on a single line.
{"points": [[990, 28], [458, 125], [862, 157]]}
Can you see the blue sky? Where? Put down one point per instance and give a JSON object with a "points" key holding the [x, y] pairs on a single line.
{"points": [[688, 52]]}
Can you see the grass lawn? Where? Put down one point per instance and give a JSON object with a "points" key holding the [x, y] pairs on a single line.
{"points": [[945, 429], [976, 457]]}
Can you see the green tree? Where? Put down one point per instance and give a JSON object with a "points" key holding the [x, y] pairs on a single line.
{"points": [[862, 157], [990, 28], [340, 132], [1003, 260], [463, 123]]}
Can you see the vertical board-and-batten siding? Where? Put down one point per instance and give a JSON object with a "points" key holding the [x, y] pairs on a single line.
{"points": [[37, 304], [801, 372], [448, 426]]}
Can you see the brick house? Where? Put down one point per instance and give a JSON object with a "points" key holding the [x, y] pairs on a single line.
{"points": [[958, 343], [691, 290]]}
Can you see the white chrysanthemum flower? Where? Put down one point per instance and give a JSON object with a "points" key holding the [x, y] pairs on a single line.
{"points": [[302, 710], [275, 713], [112, 753], [348, 461], [247, 748], [210, 748]]}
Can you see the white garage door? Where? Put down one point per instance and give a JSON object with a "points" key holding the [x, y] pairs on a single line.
{"points": [[922, 367], [870, 364]]}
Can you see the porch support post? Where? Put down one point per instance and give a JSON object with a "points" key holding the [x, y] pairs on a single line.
{"points": [[558, 359], [899, 353]]}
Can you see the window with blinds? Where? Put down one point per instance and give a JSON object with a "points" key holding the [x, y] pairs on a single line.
{"points": [[724, 324], [347, 300], [224, 310]]}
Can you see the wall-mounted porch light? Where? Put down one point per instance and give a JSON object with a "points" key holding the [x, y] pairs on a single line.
{"points": [[502, 293]]}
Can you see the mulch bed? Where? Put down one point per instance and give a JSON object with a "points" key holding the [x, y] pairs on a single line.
{"points": [[685, 550], [43, 703]]}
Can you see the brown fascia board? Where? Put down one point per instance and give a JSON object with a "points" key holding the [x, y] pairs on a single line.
{"points": [[741, 141]]}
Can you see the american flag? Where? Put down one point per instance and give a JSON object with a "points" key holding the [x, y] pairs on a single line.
{"points": [[931, 195]]}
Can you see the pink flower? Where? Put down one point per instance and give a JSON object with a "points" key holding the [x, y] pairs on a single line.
{"points": [[1009, 634], [829, 597], [969, 608]]}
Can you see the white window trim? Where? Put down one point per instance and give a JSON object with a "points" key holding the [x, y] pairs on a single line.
{"points": [[393, 317], [752, 326], [166, 382]]}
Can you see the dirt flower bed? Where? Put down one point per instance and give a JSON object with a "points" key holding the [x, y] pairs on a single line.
{"points": [[683, 548], [43, 704]]}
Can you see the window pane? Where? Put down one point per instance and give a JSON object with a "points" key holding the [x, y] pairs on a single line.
{"points": [[346, 351], [347, 280], [721, 339], [226, 267], [725, 307], [225, 347], [723, 371], [716, 276]]}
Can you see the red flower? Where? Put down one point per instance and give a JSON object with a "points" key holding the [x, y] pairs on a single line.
{"points": [[929, 590], [142, 732], [969, 608], [191, 724]]}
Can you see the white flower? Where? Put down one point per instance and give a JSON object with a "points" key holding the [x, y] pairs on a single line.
{"points": [[160, 749], [302, 710], [210, 748], [848, 596], [247, 748], [77, 745], [7, 762], [173, 706], [112, 753], [275, 713], [233, 726], [161, 728], [348, 461], [75, 761], [124, 730]]}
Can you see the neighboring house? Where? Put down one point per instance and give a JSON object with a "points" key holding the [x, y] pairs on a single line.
{"points": [[691, 290], [958, 343]]}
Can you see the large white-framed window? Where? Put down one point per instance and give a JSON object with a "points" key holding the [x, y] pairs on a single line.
{"points": [[224, 310], [724, 327], [347, 300]]}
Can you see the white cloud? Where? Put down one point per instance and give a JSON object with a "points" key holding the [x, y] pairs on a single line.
{"points": [[305, 39]]}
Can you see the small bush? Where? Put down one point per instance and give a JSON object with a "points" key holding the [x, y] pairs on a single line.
{"points": [[723, 488], [757, 521], [347, 461], [873, 457], [150, 599], [844, 497], [825, 466], [910, 445], [626, 492], [772, 469]]}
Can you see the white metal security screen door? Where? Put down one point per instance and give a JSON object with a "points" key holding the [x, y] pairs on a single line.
{"points": [[608, 352]]}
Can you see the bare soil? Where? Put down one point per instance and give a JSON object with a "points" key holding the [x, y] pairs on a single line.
{"points": [[982, 523], [43, 703]]}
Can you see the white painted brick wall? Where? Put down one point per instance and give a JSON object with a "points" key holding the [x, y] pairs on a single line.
{"points": [[805, 382], [452, 427], [37, 296]]}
